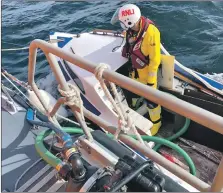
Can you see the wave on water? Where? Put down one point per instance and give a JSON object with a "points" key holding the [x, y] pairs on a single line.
{"points": [[49, 84], [191, 31], [215, 76]]}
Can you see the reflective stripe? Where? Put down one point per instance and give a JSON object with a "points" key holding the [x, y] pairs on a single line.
{"points": [[140, 62], [152, 74]]}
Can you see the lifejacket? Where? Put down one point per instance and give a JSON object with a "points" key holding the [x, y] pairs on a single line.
{"points": [[133, 52]]}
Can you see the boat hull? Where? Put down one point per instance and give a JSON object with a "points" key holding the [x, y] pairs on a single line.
{"points": [[105, 47]]}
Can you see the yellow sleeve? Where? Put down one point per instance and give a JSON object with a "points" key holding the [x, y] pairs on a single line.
{"points": [[152, 48]]}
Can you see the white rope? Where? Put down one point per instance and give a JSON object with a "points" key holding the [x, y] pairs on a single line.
{"points": [[121, 120], [72, 97], [124, 122], [98, 74], [15, 49], [114, 90], [26, 48]]}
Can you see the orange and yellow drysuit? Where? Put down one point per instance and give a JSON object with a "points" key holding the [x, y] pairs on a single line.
{"points": [[143, 51]]}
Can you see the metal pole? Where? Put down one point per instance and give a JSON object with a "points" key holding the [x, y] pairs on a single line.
{"points": [[59, 77], [217, 185], [56, 107], [57, 71], [61, 80], [197, 114], [157, 158], [42, 101], [31, 70], [32, 64], [178, 171]]}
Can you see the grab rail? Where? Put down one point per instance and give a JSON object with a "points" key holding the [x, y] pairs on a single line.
{"points": [[197, 114]]}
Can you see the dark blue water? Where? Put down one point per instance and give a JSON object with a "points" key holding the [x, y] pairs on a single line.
{"points": [[192, 31]]}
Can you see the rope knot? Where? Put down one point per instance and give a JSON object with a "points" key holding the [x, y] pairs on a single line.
{"points": [[99, 70], [123, 125], [130, 124], [72, 97]]}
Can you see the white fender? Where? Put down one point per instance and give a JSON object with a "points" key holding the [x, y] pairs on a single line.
{"points": [[49, 100]]}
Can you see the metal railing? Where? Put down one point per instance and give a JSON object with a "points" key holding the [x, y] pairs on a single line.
{"points": [[197, 114]]}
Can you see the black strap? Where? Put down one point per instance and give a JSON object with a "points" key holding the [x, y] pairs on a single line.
{"points": [[136, 73], [127, 43], [160, 68], [157, 121], [150, 84]]}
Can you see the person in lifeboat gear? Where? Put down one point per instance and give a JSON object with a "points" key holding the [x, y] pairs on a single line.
{"points": [[142, 48]]}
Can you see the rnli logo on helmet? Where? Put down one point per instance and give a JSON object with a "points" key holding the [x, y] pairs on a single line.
{"points": [[128, 12]]}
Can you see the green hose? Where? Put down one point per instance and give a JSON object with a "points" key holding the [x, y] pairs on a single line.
{"points": [[46, 155], [170, 145], [43, 152], [171, 138], [54, 161], [176, 135], [138, 102]]}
